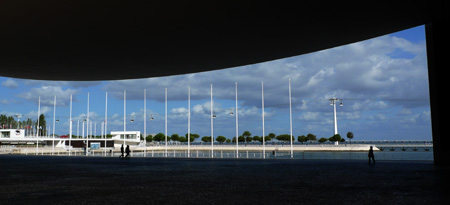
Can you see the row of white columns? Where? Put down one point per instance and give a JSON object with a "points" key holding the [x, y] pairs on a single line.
{"points": [[104, 124]]}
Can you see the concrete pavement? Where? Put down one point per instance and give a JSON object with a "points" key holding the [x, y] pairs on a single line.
{"points": [[100, 180]]}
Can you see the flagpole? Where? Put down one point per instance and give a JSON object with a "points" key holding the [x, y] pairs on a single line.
{"points": [[37, 128], [189, 121], [290, 117], [166, 119], [102, 132], [124, 117], [78, 128], [70, 125], [264, 134], [212, 124], [237, 127], [106, 117], [87, 128], [54, 115]]}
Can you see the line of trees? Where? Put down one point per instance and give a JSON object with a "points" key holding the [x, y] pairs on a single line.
{"points": [[9, 122], [246, 137]]}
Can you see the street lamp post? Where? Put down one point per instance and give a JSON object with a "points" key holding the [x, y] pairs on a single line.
{"points": [[333, 102], [18, 120], [145, 122]]}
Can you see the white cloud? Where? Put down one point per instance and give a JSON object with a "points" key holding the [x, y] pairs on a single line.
{"points": [[74, 84], [4, 101], [372, 77], [10, 83], [361, 70], [181, 111], [310, 116], [47, 94]]}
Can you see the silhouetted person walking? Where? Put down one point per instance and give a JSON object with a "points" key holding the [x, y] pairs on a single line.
{"points": [[371, 155], [121, 151], [127, 150]]}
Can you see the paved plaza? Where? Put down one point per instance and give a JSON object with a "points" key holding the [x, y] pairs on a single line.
{"points": [[106, 180]]}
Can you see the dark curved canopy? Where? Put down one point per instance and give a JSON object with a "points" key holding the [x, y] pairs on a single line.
{"points": [[111, 39]]}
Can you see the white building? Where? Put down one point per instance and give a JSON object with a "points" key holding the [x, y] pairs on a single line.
{"points": [[17, 136], [129, 137]]}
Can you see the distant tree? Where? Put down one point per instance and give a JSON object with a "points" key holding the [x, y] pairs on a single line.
{"points": [[247, 136], [159, 137], [267, 138], [149, 138], [272, 135], [301, 138], [257, 138], [322, 140], [228, 141], [206, 139], [42, 124], [285, 137], [182, 139], [175, 137], [221, 139], [192, 137], [350, 136], [311, 137], [3, 120], [241, 138], [335, 138]]}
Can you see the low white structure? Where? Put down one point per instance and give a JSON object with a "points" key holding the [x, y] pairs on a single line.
{"points": [[17, 136], [12, 135], [127, 137]]}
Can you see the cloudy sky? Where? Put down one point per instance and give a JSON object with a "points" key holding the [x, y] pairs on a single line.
{"points": [[383, 84]]}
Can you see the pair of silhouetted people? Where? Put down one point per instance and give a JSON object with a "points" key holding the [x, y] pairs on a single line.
{"points": [[371, 156], [127, 150]]}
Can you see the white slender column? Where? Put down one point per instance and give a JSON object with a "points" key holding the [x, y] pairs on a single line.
{"points": [[189, 122], [70, 126], [37, 128], [212, 124], [87, 127], [166, 120], [54, 120], [290, 118], [264, 134], [237, 127], [335, 118], [145, 122], [106, 118], [124, 117]]}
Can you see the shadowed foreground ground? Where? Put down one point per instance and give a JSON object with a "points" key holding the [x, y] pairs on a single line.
{"points": [[98, 180]]}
